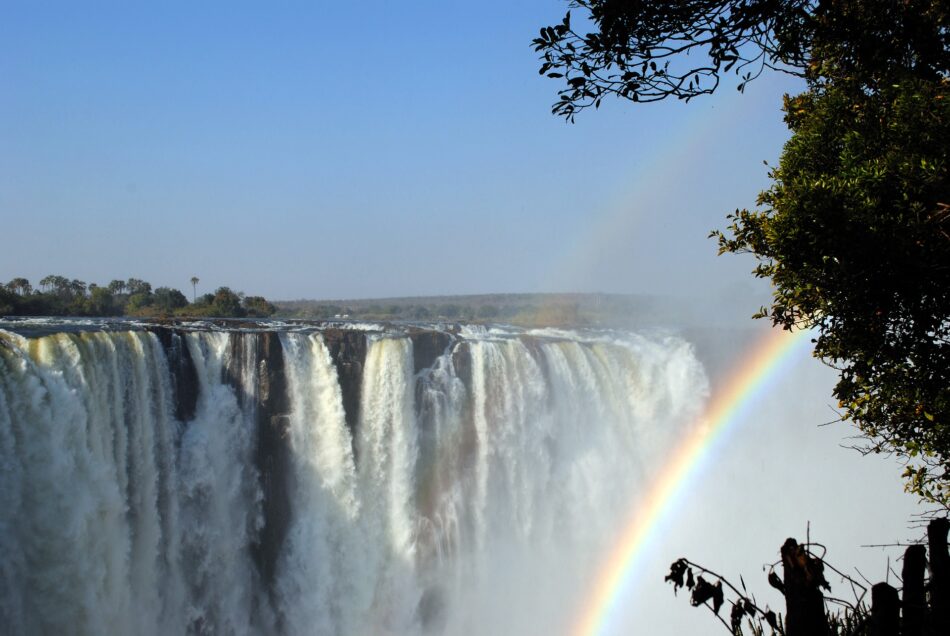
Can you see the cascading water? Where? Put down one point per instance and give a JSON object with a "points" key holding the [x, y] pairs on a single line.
{"points": [[318, 480]]}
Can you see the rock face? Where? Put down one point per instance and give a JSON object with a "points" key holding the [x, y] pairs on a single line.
{"points": [[468, 444], [348, 352], [249, 512], [184, 378], [462, 361], [427, 346], [257, 355], [534, 345], [273, 455], [269, 402]]}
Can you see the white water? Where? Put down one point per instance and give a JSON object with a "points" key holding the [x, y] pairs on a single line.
{"points": [[468, 502]]}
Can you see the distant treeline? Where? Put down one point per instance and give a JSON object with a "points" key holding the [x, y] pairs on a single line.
{"points": [[521, 309], [561, 314], [60, 296]]}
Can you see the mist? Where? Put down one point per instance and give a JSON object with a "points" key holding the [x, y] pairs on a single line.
{"points": [[787, 468], [243, 167], [382, 151]]}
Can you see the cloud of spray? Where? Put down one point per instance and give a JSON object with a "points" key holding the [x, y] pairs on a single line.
{"points": [[486, 496], [779, 472]]}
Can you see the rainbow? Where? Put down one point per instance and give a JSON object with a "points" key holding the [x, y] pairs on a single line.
{"points": [[751, 379]]}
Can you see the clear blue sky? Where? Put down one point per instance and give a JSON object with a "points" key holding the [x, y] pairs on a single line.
{"points": [[343, 150]]}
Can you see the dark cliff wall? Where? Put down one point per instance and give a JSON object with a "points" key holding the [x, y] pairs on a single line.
{"points": [[468, 444], [348, 352], [269, 403], [260, 355], [273, 454], [184, 377], [427, 346]]}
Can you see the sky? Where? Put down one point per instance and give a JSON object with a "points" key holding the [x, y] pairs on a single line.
{"points": [[378, 149], [355, 150], [781, 470]]}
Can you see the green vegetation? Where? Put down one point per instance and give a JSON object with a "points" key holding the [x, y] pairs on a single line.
{"points": [[651, 51], [529, 310], [855, 238], [59, 296], [854, 233]]}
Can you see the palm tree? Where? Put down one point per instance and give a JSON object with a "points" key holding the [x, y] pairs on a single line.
{"points": [[117, 287], [47, 283], [20, 286], [194, 289]]}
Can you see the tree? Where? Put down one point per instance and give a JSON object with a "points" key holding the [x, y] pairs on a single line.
{"points": [[77, 288], [117, 287], [194, 288], [136, 286], [167, 300], [450, 311], [59, 285], [101, 302], [46, 283], [138, 303], [20, 286], [8, 302], [258, 306], [226, 303], [854, 233], [650, 51], [638, 50], [487, 311]]}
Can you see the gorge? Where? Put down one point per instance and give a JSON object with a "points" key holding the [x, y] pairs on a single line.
{"points": [[321, 478]]}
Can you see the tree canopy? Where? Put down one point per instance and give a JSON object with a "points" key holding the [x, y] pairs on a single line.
{"points": [[854, 232], [60, 296], [650, 51], [854, 236]]}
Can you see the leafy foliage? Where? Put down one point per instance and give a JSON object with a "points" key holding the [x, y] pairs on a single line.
{"points": [[650, 51], [854, 235], [873, 42], [168, 300], [639, 50], [532, 310], [746, 616], [744, 613], [854, 232], [60, 296], [810, 612], [227, 303], [258, 306]]}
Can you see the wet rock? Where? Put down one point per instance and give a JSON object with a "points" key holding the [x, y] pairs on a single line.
{"points": [[273, 454], [348, 352], [462, 361], [184, 377], [427, 347], [260, 357]]}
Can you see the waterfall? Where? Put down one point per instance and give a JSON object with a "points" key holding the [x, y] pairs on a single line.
{"points": [[322, 480]]}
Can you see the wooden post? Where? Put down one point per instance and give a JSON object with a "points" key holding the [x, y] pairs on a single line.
{"points": [[914, 595], [804, 602], [885, 611], [939, 577]]}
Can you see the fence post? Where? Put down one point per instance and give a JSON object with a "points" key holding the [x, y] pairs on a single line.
{"points": [[939, 577], [885, 611], [804, 602], [914, 594]]}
